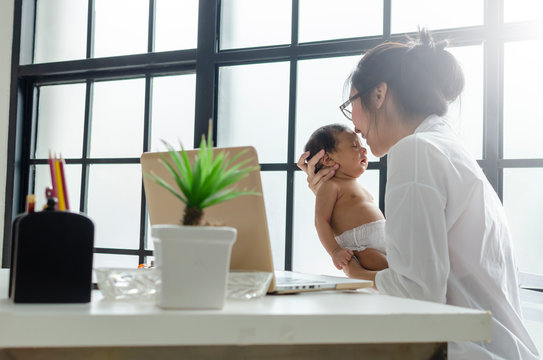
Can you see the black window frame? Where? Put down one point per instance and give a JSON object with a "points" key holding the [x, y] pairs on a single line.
{"points": [[205, 61]]}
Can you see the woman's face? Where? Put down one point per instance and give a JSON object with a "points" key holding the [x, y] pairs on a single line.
{"points": [[365, 123]]}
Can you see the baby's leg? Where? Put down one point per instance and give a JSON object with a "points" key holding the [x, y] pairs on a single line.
{"points": [[372, 259]]}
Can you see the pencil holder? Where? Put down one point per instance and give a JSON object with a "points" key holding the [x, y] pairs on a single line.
{"points": [[51, 258]]}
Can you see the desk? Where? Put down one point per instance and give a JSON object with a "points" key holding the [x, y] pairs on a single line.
{"points": [[303, 326]]}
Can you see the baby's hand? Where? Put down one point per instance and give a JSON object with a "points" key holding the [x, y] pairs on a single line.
{"points": [[341, 257]]}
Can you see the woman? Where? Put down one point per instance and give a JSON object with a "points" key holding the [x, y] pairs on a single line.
{"points": [[447, 236]]}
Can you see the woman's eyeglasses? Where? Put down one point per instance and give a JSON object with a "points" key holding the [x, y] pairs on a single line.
{"points": [[346, 107]]}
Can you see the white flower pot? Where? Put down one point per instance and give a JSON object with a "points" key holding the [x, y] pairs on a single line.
{"points": [[194, 262]]}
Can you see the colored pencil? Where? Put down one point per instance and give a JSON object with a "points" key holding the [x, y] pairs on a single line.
{"points": [[64, 184], [30, 203], [53, 176], [60, 187]]}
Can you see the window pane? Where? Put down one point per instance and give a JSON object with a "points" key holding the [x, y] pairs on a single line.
{"points": [[321, 89], [522, 10], [370, 181], [325, 20], [466, 113], [173, 111], [522, 119], [117, 118], [253, 109], [176, 24], [115, 261], [43, 179], [308, 254], [274, 185], [120, 27], [407, 15], [250, 23], [61, 30], [148, 238], [61, 116], [114, 204], [523, 202]]}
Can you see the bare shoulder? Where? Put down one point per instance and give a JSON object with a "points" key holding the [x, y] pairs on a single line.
{"points": [[329, 187]]}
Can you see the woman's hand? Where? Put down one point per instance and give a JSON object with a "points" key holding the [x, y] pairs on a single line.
{"points": [[315, 180], [355, 271]]}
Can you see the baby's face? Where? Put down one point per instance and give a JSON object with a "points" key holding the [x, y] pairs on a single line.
{"points": [[350, 154]]}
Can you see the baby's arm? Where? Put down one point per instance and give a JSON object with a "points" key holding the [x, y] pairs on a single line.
{"points": [[324, 206]]}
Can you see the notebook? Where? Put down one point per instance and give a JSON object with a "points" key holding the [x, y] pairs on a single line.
{"points": [[252, 249]]}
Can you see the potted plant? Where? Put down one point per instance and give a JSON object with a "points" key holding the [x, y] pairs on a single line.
{"points": [[193, 258]]}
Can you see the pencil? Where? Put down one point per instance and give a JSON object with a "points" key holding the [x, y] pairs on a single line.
{"points": [[30, 203], [53, 176], [64, 184], [60, 187]]}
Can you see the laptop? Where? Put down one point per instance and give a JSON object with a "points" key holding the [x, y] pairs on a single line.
{"points": [[252, 249]]}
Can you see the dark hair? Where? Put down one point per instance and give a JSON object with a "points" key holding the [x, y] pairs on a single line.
{"points": [[325, 138], [422, 75]]}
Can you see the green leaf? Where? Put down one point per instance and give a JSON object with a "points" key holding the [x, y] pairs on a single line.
{"points": [[230, 177], [214, 176], [179, 179], [186, 164], [227, 194], [235, 157], [209, 180], [183, 166], [165, 185]]}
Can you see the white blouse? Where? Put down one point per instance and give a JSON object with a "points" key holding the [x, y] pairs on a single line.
{"points": [[448, 240]]}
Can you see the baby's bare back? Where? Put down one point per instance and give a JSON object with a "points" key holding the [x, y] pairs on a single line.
{"points": [[355, 206]]}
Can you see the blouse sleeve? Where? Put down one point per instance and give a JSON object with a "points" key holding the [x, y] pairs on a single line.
{"points": [[416, 230]]}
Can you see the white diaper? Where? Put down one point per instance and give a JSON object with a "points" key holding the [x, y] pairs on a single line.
{"points": [[370, 235]]}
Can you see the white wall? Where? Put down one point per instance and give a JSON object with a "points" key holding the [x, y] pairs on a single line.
{"points": [[6, 31]]}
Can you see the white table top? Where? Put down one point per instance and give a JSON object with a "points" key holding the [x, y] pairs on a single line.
{"points": [[309, 318]]}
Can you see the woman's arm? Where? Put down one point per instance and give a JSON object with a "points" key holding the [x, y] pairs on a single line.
{"points": [[416, 228], [315, 180], [355, 271]]}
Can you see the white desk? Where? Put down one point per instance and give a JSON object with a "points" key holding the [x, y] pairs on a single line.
{"points": [[308, 319]]}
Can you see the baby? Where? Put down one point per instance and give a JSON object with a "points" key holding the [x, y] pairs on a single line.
{"points": [[347, 219]]}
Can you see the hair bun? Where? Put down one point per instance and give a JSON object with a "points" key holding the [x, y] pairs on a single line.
{"points": [[441, 45], [433, 67], [423, 76], [426, 40]]}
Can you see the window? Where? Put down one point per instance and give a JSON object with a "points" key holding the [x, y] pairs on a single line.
{"points": [[523, 150], [436, 15], [251, 23], [101, 95], [349, 19], [60, 30], [101, 87], [246, 119]]}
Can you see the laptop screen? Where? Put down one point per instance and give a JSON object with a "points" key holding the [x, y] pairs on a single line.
{"points": [[252, 249]]}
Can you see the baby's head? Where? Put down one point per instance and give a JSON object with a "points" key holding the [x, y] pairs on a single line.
{"points": [[325, 137]]}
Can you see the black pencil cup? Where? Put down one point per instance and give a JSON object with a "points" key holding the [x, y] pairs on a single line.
{"points": [[51, 258]]}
